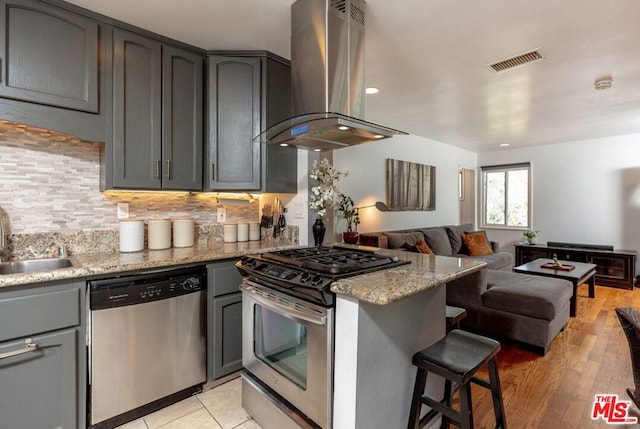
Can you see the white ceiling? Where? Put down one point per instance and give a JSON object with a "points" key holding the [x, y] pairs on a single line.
{"points": [[430, 59]]}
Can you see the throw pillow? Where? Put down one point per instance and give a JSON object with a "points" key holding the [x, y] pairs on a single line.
{"points": [[477, 244], [422, 247], [410, 247]]}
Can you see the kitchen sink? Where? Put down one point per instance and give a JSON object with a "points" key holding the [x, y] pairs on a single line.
{"points": [[34, 265]]}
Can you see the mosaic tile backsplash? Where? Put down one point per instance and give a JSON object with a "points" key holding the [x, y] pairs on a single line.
{"points": [[50, 184]]}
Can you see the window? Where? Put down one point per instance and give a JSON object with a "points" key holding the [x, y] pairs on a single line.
{"points": [[506, 196]]}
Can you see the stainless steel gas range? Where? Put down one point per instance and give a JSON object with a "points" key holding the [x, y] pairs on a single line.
{"points": [[288, 328]]}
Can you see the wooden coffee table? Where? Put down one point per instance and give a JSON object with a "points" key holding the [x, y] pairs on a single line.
{"points": [[583, 273]]}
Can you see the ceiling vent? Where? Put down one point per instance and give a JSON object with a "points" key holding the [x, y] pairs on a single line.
{"points": [[518, 60]]}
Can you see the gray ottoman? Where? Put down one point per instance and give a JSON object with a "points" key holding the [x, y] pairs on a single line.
{"points": [[525, 308]]}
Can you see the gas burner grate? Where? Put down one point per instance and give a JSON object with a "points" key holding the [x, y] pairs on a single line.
{"points": [[331, 260]]}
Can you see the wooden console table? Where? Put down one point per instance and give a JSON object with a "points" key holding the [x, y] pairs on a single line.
{"points": [[614, 267]]}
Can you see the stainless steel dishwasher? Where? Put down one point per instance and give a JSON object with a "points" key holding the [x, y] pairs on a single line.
{"points": [[146, 343]]}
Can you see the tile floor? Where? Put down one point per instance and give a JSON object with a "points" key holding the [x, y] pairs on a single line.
{"points": [[217, 408]]}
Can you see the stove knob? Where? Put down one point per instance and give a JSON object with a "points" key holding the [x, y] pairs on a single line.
{"points": [[316, 280], [305, 277]]}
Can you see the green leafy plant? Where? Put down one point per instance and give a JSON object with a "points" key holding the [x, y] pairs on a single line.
{"points": [[349, 212], [530, 234]]}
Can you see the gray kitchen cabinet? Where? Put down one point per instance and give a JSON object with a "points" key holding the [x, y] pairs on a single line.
{"points": [[42, 362], [224, 318], [247, 93], [157, 116], [49, 55], [51, 73]]}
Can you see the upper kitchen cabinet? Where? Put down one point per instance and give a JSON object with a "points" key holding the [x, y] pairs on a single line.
{"points": [[247, 93], [50, 70], [155, 141]]}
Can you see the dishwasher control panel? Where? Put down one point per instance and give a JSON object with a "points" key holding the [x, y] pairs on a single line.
{"points": [[145, 287]]}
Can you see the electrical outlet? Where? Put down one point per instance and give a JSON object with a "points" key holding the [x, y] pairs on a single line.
{"points": [[222, 215], [300, 210], [123, 210]]}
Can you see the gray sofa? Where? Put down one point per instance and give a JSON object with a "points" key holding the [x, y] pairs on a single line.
{"points": [[529, 309], [442, 240], [522, 307]]}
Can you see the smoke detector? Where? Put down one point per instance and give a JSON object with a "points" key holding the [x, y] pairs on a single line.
{"points": [[603, 83]]}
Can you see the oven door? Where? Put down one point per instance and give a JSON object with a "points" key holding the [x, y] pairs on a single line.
{"points": [[288, 345]]}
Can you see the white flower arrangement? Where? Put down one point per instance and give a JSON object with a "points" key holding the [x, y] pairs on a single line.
{"points": [[326, 194]]}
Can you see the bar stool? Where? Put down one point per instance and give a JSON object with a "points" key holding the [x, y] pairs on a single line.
{"points": [[457, 358]]}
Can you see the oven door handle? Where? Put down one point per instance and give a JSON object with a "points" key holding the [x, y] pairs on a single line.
{"points": [[296, 314]]}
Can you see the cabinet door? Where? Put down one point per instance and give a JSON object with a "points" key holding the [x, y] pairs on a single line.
{"points": [[137, 66], [49, 55], [526, 254], [234, 121], [182, 120], [227, 335], [39, 387]]}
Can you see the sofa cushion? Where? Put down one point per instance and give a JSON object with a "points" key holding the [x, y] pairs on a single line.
{"points": [[396, 240], [438, 240], [496, 261], [419, 247], [477, 244], [455, 233], [529, 295]]}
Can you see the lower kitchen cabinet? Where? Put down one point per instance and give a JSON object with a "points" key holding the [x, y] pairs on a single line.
{"points": [[224, 318], [39, 384], [42, 363], [227, 334]]}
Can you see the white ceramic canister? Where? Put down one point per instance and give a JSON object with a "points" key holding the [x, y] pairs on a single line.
{"points": [[230, 232], [254, 231], [131, 235], [159, 234], [243, 232], [183, 229]]}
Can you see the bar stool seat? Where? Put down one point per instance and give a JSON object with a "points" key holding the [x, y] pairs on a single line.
{"points": [[453, 316], [457, 358]]}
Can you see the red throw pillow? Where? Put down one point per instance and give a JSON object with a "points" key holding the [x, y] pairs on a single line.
{"points": [[422, 247], [477, 244]]}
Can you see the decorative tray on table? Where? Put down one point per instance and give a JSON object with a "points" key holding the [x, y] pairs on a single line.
{"points": [[554, 266]]}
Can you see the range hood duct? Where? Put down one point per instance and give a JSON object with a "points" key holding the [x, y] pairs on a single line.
{"points": [[328, 79]]}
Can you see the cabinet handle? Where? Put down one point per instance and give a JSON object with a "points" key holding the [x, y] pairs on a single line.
{"points": [[213, 171], [168, 173], [158, 166], [29, 347]]}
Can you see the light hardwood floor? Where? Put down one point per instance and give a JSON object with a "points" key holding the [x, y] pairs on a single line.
{"points": [[557, 391]]}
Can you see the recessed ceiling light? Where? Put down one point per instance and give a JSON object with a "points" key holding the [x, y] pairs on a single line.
{"points": [[378, 136], [371, 90], [504, 144], [317, 150], [284, 144], [343, 128]]}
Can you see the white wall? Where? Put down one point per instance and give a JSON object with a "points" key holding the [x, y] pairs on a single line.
{"points": [[583, 191], [366, 182]]}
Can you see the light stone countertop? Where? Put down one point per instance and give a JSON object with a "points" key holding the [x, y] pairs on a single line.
{"points": [[391, 285], [95, 264]]}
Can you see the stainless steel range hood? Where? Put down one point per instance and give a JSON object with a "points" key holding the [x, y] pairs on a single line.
{"points": [[328, 79]]}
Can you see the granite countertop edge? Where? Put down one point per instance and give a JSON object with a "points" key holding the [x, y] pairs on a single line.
{"points": [[424, 273], [99, 264]]}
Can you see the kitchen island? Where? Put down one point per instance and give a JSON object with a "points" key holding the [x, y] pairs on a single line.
{"points": [[382, 319]]}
